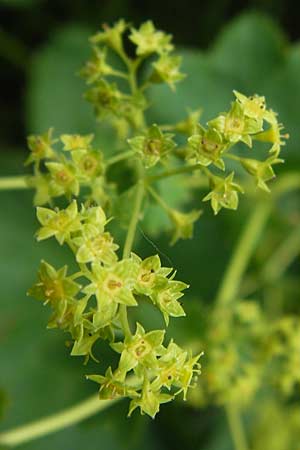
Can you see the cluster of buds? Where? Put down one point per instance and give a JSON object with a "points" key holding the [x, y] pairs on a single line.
{"points": [[64, 171], [90, 303], [124, 105]]}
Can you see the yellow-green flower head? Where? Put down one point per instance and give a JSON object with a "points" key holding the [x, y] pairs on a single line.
{"points": [[151, 275], [254, 106], [88, 164], [273, 133], [261, 170], [99, 248], [177, 370], [166, 70], [111, 387], [111, 36], [83, 343], [224, 193], [183, 224], [170, 367], [63, 179], [148, 40], [40, 147], [105, 97], [139, 351], [97, 66], [93, 220], [166, 299], [53, 285], [206, 147], [60, 224], [149, 401], [112, 286], [76, 141], [57, 289], [153, 146], [236, 125]]}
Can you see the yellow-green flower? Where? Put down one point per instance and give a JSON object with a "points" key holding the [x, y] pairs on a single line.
{"points": [[148, 40], [60, 224]]}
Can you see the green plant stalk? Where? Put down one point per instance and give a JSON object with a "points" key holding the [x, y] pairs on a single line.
{"points": [[128, 247], [240, 258], [283, 256], [134, 219], [54, 422], [120, 157], [236, 427], [228, 290], [177, 171], [13, 183]]}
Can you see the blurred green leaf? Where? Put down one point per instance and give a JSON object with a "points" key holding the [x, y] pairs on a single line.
{"points": [[55, 92]]}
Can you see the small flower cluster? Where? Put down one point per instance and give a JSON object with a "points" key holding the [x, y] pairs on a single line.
{"points": [[244, 123], [95, 308], [124, 107], [65, 171]]}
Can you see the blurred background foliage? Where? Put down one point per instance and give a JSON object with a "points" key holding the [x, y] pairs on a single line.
{"points": [[249, 46]]}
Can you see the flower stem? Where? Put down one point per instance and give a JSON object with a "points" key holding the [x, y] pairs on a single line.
{"points": [[54, 422], [172, 172], [236, 427], [134, 219], [120, 157], [12, 183], [242, 253], [283, 256]]}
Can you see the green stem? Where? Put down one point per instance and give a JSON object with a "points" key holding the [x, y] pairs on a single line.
{"points": [[119, 157], [128, 247], [236, 427], [134, 219], [159, 199], [172, 172], [242, 253], [13, 183], [54, 422], [283, 256]]}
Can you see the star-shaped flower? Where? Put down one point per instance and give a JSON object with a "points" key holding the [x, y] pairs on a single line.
{"points": [[148, 40], [60, 224], [139, 351]]}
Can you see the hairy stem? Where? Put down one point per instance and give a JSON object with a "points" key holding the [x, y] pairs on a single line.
{"points": [[54, 422], [13, 183], [236, 427]]}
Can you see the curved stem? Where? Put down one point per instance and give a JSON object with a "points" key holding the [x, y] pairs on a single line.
{"points": [[12, 183], [172, 172], [236, 427], [54, 422], [242, 253], [120, 157], [228, 290], [283, 256]]}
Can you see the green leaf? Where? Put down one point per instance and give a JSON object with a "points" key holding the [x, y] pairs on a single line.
{"points": [[248, 50]]}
